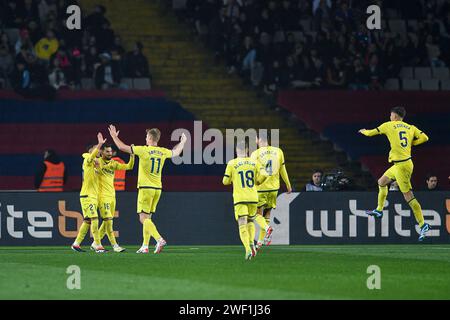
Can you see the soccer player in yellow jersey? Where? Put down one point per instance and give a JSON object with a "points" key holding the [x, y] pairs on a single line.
{"points": [[151, 162], [245, 173], [89, 198], [272, 160], [402, 136], [107, 192]]}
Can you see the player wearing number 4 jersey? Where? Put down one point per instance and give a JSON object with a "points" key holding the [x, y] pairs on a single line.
{"points": [[272, 160], [151, 162], [401, 136], [245, 173]]}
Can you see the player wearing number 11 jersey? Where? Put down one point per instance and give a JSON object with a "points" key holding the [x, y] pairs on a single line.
{"points": [[151, 162], [402, 136]]}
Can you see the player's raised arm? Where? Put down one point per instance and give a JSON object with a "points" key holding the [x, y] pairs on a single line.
{"points": [[176, 151], [91, 157], [115, 136], [125, 166], [419, 137], [370, 133]]}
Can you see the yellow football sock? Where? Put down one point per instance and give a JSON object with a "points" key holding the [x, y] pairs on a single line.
{"points": [[263, 225], [382, 195], [94, 230], [110, 231], [101, 230], [82, 232], [146, 231], [243, 233], [417, 210], [154, 232], [251, 233]]}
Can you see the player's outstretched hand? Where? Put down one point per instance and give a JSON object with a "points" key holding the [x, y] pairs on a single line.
{"points": [[183, 138], [361, 130], [100, 138], [113, 131]]}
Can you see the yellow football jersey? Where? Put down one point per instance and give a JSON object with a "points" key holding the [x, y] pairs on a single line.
{"points": [[106, 175], [90, 175], [401, 136], [151, 162], [243, 173], [272, 160]]}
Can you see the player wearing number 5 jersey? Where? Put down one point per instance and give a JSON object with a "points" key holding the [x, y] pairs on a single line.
{"points": [[272, 160], [402, 136], [151, 162], [245, 173]]}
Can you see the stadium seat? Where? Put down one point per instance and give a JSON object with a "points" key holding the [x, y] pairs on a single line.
{"points": [[313, 34], [430, 84], [126, 83], [141, 84], [306, 24], [13, 34], [406, 73], [445, 85], [422, 73], [411, 84], [397, 26], [413, 24], [441, 73], [392, 84], [87, 84]]}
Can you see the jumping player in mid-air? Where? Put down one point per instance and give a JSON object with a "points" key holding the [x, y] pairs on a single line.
{"points": [[401, 136], [272, 160], [151, 162]]}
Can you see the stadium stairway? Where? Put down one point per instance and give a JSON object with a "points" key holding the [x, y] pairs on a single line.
{"points": [[185, 70]]}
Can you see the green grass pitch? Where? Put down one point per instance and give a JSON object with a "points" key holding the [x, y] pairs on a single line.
{"points": [[220, 272]]}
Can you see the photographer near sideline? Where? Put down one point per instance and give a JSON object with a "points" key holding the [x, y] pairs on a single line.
{"points": [[316, 182]]}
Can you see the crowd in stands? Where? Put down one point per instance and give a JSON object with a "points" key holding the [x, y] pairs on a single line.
{"points": [[321, 43], [39, 54]]}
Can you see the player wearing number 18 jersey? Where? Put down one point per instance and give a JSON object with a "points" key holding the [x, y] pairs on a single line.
{"points": [[272, 160], [151, 162], [245, 173], [402, 136]]}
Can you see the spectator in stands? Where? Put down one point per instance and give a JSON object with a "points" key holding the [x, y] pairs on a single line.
{"points": [[51, 175], [315, 183], [358, 76], [12, 16], [106, 75], [47, 46], [136, 63], [431, 183], [21, 78], [64, 65], [6, 62], [4, 41], [96, 20], [376, 73], [90, 62], [336, 75], [24, 38], [56, 77], [26, 55]]}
